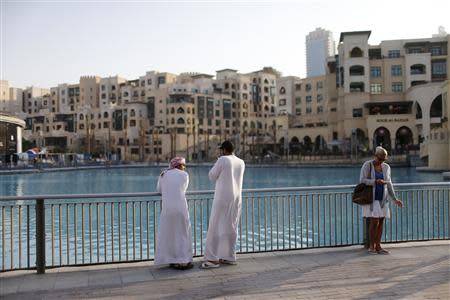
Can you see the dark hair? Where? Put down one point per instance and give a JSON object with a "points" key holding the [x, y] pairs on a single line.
{"points": [[227, 146]]}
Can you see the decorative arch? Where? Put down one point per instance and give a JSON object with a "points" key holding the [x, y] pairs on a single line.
{"points": [[382, 137], [320, 144], [403, 139], [180, 110], [436, 107], [356, 52], [180, 121]]}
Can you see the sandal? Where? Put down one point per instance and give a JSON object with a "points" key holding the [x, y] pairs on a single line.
{"points": [[382, 251], [186, 266], [227, 262], [209, 265], [372, 251]]}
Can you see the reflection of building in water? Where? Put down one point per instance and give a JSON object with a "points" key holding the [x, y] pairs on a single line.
{"points": [[10, 137]]}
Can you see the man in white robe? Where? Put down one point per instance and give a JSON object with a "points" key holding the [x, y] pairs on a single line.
{"points": [[173, 242], [228, 172]]}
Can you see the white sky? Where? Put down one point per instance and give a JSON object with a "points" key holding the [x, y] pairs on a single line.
{"points": [[44, 43]]}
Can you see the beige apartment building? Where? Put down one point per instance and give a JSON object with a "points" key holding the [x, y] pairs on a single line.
{"points": [[392, 94]]}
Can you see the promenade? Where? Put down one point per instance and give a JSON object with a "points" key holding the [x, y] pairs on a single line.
{"points": [[415, 270]]}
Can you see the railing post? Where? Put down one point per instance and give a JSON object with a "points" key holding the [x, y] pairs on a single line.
{"points": [[40, 236], [366, 222]]}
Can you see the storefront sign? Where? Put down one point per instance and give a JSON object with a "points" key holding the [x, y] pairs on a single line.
{"points": [[390, 120]]}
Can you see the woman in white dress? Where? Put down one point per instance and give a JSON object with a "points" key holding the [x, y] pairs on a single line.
{"points": [[173, 242], [377, 173]]}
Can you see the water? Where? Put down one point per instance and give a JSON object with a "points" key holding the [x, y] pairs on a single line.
{"points": [[144, 179], [277, 223]]}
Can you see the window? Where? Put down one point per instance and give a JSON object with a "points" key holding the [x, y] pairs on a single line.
{"points": [[418, 69], [103, 96], [308, 99], [357, 87], [356, 70], [103, 88], [298, 87], [375, 71], [298, 100], [308, 110], [282, 102], [298, 111], [437, 50], [319, 109], [217, 122], [394, 53], [356, 52], [319, 98], [415, 50], [357, 112], [396, 70], [308, 87], [397, 87], [319, 85], [439, 67], [282, 91], [149, 81], [376, 88]]}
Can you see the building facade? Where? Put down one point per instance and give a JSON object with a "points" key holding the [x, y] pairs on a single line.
{"points": [[391, 94]]}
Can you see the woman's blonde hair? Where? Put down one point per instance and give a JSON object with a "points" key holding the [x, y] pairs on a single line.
{"points": [[380, 151]]}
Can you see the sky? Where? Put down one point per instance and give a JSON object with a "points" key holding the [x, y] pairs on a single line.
{"points": [[45, 43]]}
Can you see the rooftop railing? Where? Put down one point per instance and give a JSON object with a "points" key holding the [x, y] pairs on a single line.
{"points": [[45, 231]]}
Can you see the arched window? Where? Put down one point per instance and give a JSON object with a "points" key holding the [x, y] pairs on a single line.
{"points": [[188, 110], [172, 110], [356, 70], [105, 115], [180, 110], [356, 52], [81, 117], [173, 121], [282, 91], [132, 113], [180, 121], [245, 106], [266, 81], [244, 86]]}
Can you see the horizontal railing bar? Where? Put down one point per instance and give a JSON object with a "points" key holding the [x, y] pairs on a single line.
{"points": [[204, 192]]}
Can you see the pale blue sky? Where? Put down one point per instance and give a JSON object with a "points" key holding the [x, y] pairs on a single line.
{"points": [[44, 43]]}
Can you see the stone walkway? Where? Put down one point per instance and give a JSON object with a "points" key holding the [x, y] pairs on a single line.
{"points": [[412, 271]]}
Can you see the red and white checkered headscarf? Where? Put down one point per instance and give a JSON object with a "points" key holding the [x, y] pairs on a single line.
{"points": [[177, 161], [174, 163]]}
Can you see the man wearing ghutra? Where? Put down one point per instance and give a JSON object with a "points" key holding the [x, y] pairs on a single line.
{"points": [[228, 173], [173, 241]]}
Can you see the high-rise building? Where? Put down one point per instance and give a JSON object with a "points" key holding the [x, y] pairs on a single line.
{"points": [[319, 46]]}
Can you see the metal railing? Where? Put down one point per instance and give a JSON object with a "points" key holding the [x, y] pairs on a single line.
{"points": [[60, 230]]}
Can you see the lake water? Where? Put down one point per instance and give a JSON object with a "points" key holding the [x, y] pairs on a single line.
{"points": [[115, 230], [144, 179]]}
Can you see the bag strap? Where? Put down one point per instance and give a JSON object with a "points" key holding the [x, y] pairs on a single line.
{"points": [[370, 171]]}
